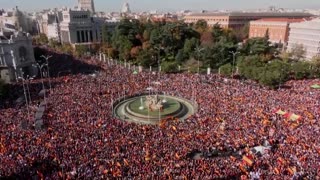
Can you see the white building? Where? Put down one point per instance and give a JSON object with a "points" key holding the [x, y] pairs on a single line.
{"points": [[126, 8], [78, 27], [86, 5], [16, 55], [53, 30], [17, 20], [306, 34]]}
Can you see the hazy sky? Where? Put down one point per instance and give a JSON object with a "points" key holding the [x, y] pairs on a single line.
{"points": [[139, 5]]}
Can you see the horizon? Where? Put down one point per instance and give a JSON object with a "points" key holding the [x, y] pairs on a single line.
{"points": [[165, 5]]}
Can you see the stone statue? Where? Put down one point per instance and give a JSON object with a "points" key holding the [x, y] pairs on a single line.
{"points": [[153, 103]]}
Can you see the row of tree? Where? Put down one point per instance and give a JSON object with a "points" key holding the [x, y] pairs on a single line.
{"points": [[190, 46]]}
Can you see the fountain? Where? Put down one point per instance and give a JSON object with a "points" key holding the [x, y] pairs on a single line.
{"points": [[151, 109]]}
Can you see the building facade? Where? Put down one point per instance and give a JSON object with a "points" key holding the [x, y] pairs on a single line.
{"points": [[306, 34], [87, 5], [16, 20], [237, 20], [78, 27], [16, 56], [277, 29]]}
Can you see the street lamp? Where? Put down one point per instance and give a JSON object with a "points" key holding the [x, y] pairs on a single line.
{"points": [[159, 49], [234, 59], [46, 58], [43, 87], [25, 95], [198, 51]]}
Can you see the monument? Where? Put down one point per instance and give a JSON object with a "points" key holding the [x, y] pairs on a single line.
{"points": [[146, 108], [153, 103]]}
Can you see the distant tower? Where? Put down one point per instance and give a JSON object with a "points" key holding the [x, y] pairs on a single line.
{"points": [[86, 5], [126, 8]]}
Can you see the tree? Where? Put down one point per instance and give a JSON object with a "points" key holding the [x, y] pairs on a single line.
{"points": [[201, 26], [217, 32], [145, 58], [250, 67], [67, 48], [190, 45], [297, 51], [206, 39], [226, 69], [274, 74], [169, 67], [301, 70], [106, 35], [81, 50], [258, 46]]}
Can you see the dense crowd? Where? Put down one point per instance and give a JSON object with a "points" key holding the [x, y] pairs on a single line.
{"points": [[82, 139]]}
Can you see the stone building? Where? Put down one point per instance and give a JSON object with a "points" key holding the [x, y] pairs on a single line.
{"points": [[16, 55], [237, 20], [307, 34], [87, 5], [277, 28], [78, 27]]}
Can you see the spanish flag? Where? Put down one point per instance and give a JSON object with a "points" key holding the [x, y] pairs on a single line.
{"points": [[294, 117], [279, 111], [247, 160]]}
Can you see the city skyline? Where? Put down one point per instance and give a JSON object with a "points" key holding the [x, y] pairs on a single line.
{"points": [[165, 5]]}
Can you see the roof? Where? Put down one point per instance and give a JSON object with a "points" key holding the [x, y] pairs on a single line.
{"points": [[256, 14], [290, 20], [313, 24]]}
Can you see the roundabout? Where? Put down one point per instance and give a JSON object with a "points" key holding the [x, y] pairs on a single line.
{"points": [[151, 109]]}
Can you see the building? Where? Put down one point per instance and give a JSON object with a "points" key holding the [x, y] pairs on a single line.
{"points": [[78, 27], [306, 34], [49, 24], [237, 20], [16, 55], [54, 30], [16, 20], [125, 9], [277, 28], [86, 5]]}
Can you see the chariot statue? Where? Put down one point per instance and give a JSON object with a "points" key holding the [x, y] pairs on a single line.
{"points": [[153, 103]]}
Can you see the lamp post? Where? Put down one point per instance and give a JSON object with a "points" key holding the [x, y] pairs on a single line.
{"points": [[234, 59], [46, 58], [28, 82], [43, 87], [25, 95], [198, 51], [159, 61]]}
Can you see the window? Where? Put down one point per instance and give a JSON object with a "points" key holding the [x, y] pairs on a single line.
{"points": [[23, 54]]}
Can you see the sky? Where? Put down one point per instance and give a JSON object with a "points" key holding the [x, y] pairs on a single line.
{"points": [[163, 5]]}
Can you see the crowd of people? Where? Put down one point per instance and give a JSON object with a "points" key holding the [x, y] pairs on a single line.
{"points": [[82, 139]]}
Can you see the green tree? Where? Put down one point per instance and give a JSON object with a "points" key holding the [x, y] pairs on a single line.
{"points": [[258, 46], [169, 67], [81, 50], [301, 70], [201, 26], [106, 35], [217, 32], [226, 69]]}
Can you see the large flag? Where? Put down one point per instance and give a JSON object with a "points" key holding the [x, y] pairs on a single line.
{"points": [[279, 111], [294, 117], [247, 160], [315, 86]]}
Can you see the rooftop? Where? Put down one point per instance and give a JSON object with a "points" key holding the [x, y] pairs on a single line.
{"points": [[256, 14], [289, 20]]}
